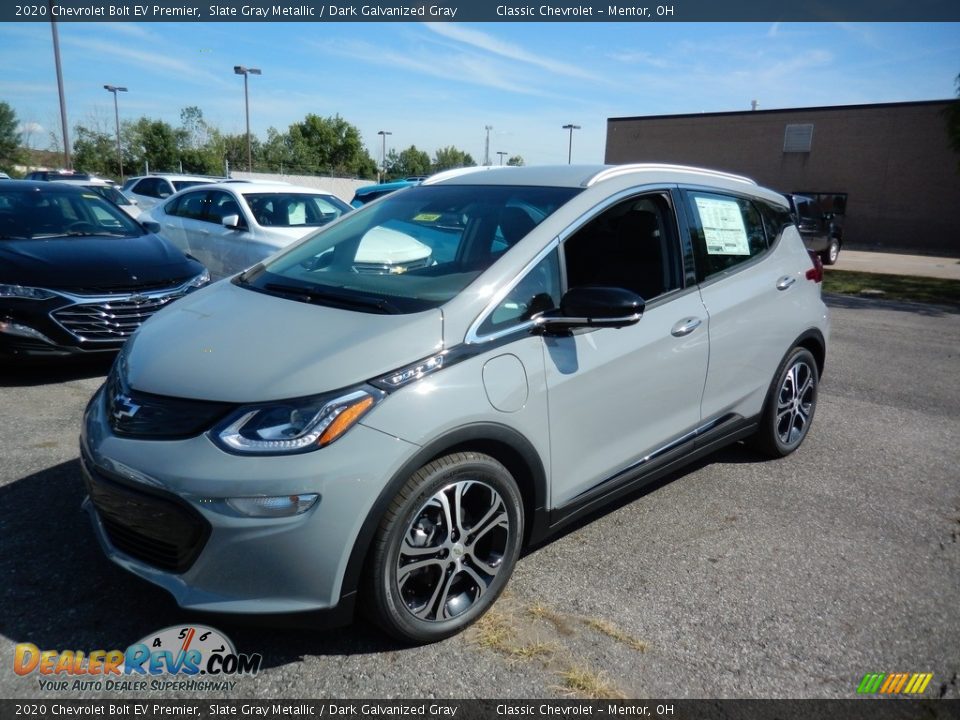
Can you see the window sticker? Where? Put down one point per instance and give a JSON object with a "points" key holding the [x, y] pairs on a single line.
{"points": [[723, 227]]}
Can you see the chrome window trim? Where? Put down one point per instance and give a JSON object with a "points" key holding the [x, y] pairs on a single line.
{"points": [[473, 337]]}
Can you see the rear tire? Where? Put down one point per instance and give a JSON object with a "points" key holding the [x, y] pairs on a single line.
{"points": [[445, 548], [832, 253], [790, 405]]}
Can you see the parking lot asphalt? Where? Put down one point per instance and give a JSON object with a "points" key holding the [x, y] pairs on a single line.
{"points": [[736, 578]]}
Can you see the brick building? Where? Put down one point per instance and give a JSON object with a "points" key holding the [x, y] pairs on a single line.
{"points": [[889, 167]]}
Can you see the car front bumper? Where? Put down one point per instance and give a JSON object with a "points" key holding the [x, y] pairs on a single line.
{"points": [[152, 500]]}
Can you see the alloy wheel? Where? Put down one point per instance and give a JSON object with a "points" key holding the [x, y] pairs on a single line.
{"points": [[795, 403], [452, 550]]}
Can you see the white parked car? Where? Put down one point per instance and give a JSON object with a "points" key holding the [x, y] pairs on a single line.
{"points": [[148, 190], [231, 226]]}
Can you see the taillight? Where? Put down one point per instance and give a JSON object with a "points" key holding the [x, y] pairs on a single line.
{"points": [[816, 272]]}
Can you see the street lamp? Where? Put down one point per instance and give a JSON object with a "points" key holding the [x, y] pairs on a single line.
{"points": [[383, 156], [116, 114], [501, 153], [571, 127], [245, 71]]}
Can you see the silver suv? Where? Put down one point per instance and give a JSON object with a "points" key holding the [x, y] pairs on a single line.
{"points": [[320, 430]]}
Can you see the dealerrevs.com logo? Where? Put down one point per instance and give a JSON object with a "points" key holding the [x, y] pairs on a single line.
{"points": [[193, 657]]}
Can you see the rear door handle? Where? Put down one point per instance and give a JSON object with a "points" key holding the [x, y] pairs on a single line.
{"points": [[685, 326], [785, 282]]}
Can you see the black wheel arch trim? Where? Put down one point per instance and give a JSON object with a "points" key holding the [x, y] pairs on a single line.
{"points": [[504, 443], [813, 341]]}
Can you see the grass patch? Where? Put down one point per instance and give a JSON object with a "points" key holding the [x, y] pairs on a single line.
{"points": [[493, 631], [559, 622], [938, 291], [612, 631], [589, 684], [496, 631]]}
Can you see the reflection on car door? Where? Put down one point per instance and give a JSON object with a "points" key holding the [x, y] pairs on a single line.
{"points": [[646, 378], [231, 247]]}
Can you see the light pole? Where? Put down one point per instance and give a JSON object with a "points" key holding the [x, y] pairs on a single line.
{"points": [[245, 71], [501, 153], [67, 153], [571, 127], [383, 155], [116, 114]]}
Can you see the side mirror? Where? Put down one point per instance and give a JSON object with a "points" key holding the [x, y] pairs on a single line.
{"points": [[151, 226], [594, 307], [231, 222]]}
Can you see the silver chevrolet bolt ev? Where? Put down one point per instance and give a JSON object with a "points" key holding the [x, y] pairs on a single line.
{"points": [[349, 421]]}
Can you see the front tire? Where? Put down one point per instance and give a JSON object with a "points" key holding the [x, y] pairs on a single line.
{"points": [[445, 548], [790, 405]]}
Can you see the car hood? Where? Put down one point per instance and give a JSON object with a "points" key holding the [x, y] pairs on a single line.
{"points": [[231, 344], [92, 262]]}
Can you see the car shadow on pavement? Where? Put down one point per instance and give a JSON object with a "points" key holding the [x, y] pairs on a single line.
{"points": [[737, 454], [60, 592], [27, 373]]}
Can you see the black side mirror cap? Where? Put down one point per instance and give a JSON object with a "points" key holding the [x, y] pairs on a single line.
{"points": [[594, 306]]}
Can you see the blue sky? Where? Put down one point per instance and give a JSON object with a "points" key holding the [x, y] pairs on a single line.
{"points": [[433, 85]]}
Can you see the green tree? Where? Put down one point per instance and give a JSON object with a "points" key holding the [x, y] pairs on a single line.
{"points": [[329, 144], [408, 162], [201, 146], [516, 161], [450, 157], [154, 142], [95, 151], [9, 138]]}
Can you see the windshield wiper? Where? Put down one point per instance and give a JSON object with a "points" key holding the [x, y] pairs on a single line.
{"points": [[323, 296]]}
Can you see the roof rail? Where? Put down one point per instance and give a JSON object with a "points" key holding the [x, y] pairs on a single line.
{"points": [[456, 172], [617, 170]]}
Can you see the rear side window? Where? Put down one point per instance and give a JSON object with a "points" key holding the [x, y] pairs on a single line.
{"points": [[727, 231]]}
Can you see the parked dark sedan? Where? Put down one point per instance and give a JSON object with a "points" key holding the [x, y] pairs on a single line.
{"points": [[78, 275]]}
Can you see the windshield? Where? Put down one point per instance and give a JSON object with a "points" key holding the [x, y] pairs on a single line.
{"points": [[32, 214], [282, 209], [413, 251]]}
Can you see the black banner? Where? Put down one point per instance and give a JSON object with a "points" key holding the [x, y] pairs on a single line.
{"points": [[887, 709], [480, 11]]}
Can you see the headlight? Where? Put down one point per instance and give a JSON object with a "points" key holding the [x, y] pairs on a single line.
{"points": [[25, 293], [294, 426], [200, 280]]}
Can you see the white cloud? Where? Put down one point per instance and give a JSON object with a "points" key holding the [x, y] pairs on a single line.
{"points": [[490, 44]]}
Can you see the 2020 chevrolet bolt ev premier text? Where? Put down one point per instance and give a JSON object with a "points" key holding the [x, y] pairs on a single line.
{"points": [[320, 430]]}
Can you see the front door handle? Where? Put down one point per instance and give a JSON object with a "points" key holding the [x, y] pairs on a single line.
{"points": [[685, 326], [785, 282]]}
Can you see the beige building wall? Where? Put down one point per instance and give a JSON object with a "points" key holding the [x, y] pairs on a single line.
{"points": [[892, 160]]}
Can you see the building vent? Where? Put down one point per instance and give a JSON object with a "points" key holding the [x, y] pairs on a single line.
{"points": [[798, 138]]}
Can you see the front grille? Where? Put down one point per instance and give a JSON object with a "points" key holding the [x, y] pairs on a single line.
{"points": [[152, 526], [144, 415], [110, 320], [140, 287]]}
